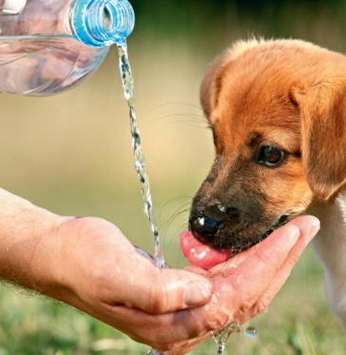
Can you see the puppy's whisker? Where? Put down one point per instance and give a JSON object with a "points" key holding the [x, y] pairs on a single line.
{"points": [[175, 215], [171, 228], [178, 103], [184, 119], [174, 210], [194, 124], [176, 200], [182, 114]]}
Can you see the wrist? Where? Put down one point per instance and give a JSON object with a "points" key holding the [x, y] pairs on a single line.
{"points": [[27, 244]]}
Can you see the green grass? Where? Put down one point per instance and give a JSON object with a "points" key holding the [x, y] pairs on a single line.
{"points": [[33, 325], [298, 322]]}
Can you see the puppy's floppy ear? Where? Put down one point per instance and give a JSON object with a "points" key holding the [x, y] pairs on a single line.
{"points": [[323, 118], [211, 84]]}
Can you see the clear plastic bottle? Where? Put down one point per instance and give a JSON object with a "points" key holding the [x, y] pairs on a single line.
{"points": [[48, 46]]}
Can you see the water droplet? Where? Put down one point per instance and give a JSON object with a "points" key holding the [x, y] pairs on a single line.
{"points": [[220, 349], [202, 255], [221, 208], [251, 332], [160, 260]]}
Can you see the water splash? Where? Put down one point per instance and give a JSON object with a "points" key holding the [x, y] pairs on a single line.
{"points": [[222, 337], [251, 332], [140, 164], [155, 352]]}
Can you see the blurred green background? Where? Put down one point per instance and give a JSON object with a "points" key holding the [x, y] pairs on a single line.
{"points": [[71, 154]]}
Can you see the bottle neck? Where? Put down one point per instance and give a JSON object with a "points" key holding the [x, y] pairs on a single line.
{"points": [[101, 23]]}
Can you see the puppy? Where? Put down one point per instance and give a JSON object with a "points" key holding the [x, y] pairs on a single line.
{"points": [[277, 110]]}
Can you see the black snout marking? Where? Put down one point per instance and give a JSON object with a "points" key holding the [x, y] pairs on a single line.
{"points": [[207, 222]]}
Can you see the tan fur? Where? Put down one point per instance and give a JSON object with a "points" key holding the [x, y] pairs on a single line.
{"points": [[291, 93], [241, 46], [313, 78]]}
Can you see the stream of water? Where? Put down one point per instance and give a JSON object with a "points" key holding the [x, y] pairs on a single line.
{"points": [[140, 164], [222, 337]]}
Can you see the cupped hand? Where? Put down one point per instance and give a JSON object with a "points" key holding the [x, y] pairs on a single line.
{"points": [[245, 285], [99, 271]]}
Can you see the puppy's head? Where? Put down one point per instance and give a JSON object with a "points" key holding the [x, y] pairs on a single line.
{"points": [[277, 110]]}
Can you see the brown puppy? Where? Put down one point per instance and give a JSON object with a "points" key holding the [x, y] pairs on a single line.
{"points": [[277, 110]]}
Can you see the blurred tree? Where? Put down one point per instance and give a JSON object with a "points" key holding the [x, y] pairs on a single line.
{"points": [[225, 20]]}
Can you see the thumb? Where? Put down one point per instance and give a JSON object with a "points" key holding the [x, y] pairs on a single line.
{"points": [[160, 291]]}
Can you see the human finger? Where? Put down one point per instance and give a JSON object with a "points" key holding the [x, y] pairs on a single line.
{"points": [[158, 291], [163, 332], [309, 227]]}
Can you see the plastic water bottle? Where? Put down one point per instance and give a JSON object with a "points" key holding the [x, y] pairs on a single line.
{"points": [[48, 46]]}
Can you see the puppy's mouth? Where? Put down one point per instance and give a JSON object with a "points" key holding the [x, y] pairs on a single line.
{"points": [[200, 251], [279, 223], [238, 240]]}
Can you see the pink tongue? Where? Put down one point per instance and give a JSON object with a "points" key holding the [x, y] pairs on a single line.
{"points": [[200, 254]]}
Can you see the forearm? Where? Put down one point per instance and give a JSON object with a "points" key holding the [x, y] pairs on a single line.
{"points": [[27, 245]]}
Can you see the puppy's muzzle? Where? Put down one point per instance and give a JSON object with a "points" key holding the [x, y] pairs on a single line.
{"points": [[223, 227], [207, 222]]}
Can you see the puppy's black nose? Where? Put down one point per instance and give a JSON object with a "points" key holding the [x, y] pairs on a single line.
{"points": [[205, 227], [206, 223]]}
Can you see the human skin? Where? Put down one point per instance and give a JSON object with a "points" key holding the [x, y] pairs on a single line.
{"points": [[89, 264]]}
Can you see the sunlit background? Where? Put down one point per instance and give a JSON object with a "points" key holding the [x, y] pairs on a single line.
{"points": [[72, 154]]}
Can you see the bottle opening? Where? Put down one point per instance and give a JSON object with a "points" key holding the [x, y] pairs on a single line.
{"points": [[100, 23], [107, 19]]}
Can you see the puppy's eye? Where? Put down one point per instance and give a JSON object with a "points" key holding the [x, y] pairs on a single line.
{"points": [[270, 156]]}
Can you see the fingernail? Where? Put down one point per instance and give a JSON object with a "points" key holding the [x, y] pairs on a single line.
{"points": [[198, 292], [315, 227]]}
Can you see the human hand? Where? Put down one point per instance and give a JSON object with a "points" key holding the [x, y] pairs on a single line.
{"points": [[245, 285], [89, 264], [98, 271], [108, 279]]}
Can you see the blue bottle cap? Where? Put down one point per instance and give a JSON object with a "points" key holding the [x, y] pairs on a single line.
{"points": [[101, 23]]}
